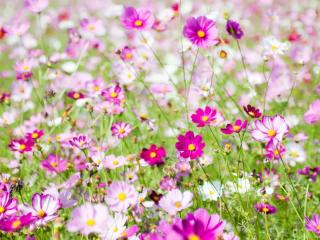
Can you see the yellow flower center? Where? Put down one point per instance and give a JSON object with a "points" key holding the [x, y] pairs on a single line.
{"points": [[54, 164], [91, 222], [201, 34], [76, 95], [22, 147], [128, 55], [35, 135], [251, 113], [274, 47], [138, 23], [318, 227], [193, 237], [115, 229], [153, 154], [25, 68], [205, 118], [115, 162], [41, 213], [16, 224], [114, 95], [96, 88], [271, 133], [91, 27], [294, 154], [276, 152], [265, 209], [223, 54], [191, 147], [122, 196], [121, 130], [236, 128], [2, 209], [178, 204]]}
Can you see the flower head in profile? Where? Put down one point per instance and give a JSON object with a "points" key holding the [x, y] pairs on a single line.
{"points": [[313, 224], [81, 142], [203, 117], [89, 218], [16, 223], [154, 155], [121, 196], [252, 111], [234, 29], [201, 31], [121, 129], [270, 129], [75, 95], [140, 19], [265, 208], [36, 6], [235, 128], [175, 201], [190, 145]]}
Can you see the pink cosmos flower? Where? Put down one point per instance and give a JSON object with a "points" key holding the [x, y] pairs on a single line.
{"points": [[235, 128], [270, 129], [80, 142], [8, 206], [203, 117], [312, 116], [21, 145], [175, 201], [88, 218], [113, 162], [126, 54], [201, 31], [16, 223], [154, 155], [36, 6], [34, 135], [75, 95], [121, 129], [190, 145], [113, 94], [121, 196], [92, 26], [140, 19], [313, 224], [24, 69], [44, 208], [265, 208], [274, 151], [54, 164]]}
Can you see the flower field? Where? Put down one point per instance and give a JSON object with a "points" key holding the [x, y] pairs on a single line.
{"points": [[160, 120]]}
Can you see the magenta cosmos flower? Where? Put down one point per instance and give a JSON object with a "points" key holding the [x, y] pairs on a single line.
{"points": [[140, 19], [154, 155], [270, 129], [252, 111], [44, 208], [80, 142], [89, 218], [21, 145], [234, 128], [198, 226], [203, 117], [8, 206], [113, 94], [121, 196], [75, 95], [234, 29], [265, 208], [190, 145], [54, 164], [16, 223], [121, 129], [34, 135], [201, 31], [313, 224], [274, 152], [36, 6]]}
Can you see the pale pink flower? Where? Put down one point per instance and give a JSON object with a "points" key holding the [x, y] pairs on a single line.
{"points": [[312, 116], [175, 201]]}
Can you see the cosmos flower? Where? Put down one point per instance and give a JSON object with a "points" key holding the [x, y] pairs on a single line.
{"points": [[121, 196], [121, 129], [311, 172], [36, 6], [34, 135], [140, 19], [190, 145], [113, 94], [252, 111], [295, 153], [274, 151], [75, 95], [89, 218], [81, 142], [44, 208], [113, 162], [313, 224], [203, 117], [201, 31], [54, 164], [175, 201], [21, 145], [273, 47], [15, 223], [198, 225], [154, 155], [211, 190], [265, 208], [234, 29], [312, 116], [8, 206], [270, 129], [235, 128], [126, 54], [92, 27], [24, 69]]}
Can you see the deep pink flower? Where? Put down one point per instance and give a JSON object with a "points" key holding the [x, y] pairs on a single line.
{"points": [[312, 116], [113, 94], [16, 223], [75, 95], [154, 155], [203, 117], [54, 164], [201, 31], [274, 151], [141, 19], [24, 69], [190, 145], [35, 135], [36, 6], [234, 128], [126, 54], [313, 224], [265, 208], [8, 206], [121, 129], [270, 129], [234, 29], [21, 145], [252, 111], [80, 142]]}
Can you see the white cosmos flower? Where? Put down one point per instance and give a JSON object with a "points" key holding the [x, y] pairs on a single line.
{"points": [[21, 91], [115, 227], [295, 153], [273, 47], [211, 191], [241, 186]]}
